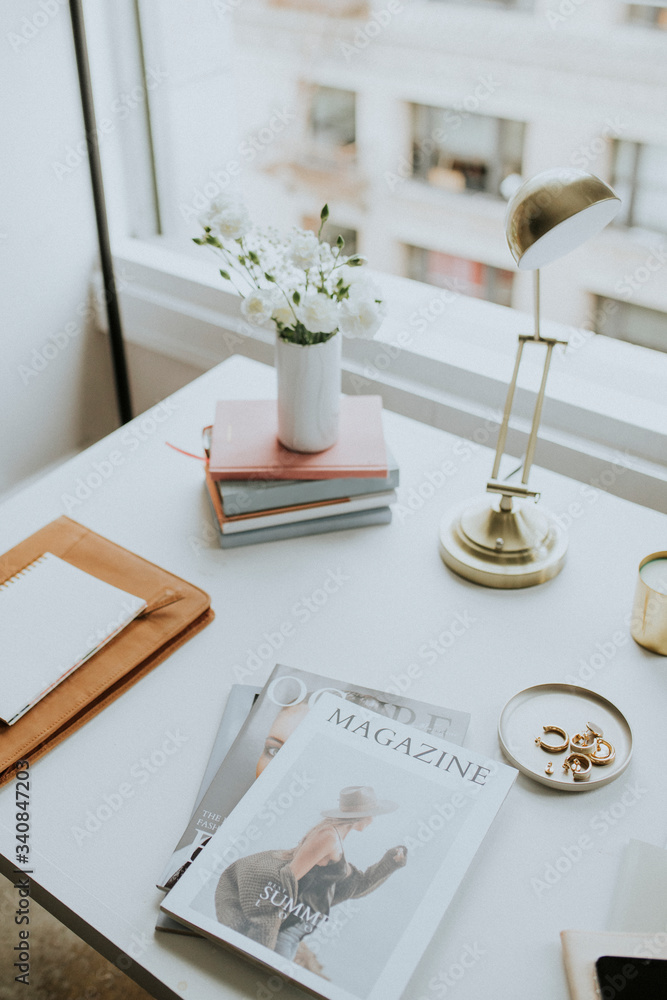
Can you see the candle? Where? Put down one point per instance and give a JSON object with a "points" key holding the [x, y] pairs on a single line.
{"points": [[654, 575]]}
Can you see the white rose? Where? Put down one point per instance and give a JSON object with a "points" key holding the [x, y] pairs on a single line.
{"points": [[304, 251], [360, 314], [318, 313], [227, 218], [258, 307], [283, 314]]}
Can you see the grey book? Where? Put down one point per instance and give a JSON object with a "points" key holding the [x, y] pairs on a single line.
{"points": [[249, 496], [317, 526], [283, 702]]}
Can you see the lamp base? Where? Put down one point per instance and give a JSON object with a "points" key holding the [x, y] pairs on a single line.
{"points": [[499, 548]]}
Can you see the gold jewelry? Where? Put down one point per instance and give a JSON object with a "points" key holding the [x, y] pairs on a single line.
{"points": [[610, 755], [593, 731], [549, 769], [581, 744], [580, 766], [557, 749]]}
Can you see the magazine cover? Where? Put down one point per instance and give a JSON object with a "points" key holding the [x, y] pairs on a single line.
{"points": [[322, 872], [241, 699], [283, 703]]}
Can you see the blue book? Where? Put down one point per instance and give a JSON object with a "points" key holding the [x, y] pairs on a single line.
{"points": [[335, 522]]}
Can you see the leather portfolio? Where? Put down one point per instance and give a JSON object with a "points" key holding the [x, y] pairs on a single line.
{"points": [[176, 610]]}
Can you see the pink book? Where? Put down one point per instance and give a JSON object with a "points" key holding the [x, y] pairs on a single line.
{"points": [[244, 443]]}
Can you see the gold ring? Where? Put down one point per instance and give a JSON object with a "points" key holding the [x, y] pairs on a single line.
{"points": [[557, 749], [611, 753]]}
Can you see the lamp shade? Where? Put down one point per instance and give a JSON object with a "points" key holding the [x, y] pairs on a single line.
{"points": [[555, 212]]}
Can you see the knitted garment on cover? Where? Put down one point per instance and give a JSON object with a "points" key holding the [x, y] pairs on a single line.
{"points": [[237, 896]]}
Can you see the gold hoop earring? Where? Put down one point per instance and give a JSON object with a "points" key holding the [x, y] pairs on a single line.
{"points": [[606, 759], [580, 765], [580, 744], [557, 749]]}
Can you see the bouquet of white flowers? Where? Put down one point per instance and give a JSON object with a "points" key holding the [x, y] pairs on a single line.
{"points": [[308, 289]]}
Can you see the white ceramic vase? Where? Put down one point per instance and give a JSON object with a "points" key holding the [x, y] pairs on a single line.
{"points": [[308, 394]]}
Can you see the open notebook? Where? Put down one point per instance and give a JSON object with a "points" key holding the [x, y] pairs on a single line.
{"points": [[53, 617]]}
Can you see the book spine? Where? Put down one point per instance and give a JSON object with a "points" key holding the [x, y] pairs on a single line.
{"points": [[248, 498]]}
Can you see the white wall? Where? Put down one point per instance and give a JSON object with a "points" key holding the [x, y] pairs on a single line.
{"points": [[56, 388]]}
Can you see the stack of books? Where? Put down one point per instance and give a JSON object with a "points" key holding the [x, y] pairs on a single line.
{"points": [[261, 491], [320, 846]]}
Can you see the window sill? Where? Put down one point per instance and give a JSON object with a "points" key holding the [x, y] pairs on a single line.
{"points": [[439, 357]]}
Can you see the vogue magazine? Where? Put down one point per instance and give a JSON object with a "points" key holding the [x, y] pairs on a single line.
{"points": [[333, 825]]}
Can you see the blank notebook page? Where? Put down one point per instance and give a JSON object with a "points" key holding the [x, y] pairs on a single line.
{"points": [[53, 616]]}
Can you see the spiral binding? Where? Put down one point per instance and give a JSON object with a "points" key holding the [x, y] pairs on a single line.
{"points": [[24, 572]]}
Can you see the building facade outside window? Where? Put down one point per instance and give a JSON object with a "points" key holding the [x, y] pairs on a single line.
{"points": [[639, 177], [460, 151]]}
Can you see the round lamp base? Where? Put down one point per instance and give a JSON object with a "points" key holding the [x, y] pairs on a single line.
{"points": [[505, 549]]}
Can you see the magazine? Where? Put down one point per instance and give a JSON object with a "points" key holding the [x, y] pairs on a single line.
{"points": [[282, 704], [240, 701], [338, 821]]}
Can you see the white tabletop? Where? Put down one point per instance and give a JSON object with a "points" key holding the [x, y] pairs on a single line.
{"points": [[395, 597]]}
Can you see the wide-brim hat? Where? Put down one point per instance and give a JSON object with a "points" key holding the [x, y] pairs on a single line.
{"points": [[358, 801]]}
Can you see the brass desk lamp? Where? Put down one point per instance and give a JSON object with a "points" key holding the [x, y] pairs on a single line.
{"points": [[509, 542]]}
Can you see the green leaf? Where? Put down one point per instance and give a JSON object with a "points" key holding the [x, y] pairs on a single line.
{"points": [[269, 277], [198, 241], [226, 275], [241, 259], [253, 257], [296, 298], [324, 214]]}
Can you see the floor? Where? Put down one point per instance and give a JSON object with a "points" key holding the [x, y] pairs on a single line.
{"points": [[62, 967]]}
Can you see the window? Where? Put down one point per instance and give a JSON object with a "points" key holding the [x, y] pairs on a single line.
{"points": [[649, 14], [636, 324], [332, 118], [470, 277], [404, 118], [460, 151], [640, 179]]}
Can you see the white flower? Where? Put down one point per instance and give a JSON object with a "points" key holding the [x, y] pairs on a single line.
{"points": [[283, 314], [361, 314], [326, 256], [304, 251], [227, 218], [318, 313], [258, 307]]}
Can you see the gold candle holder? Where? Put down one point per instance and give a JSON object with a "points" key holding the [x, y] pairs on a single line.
{"points": [[649, 611]]}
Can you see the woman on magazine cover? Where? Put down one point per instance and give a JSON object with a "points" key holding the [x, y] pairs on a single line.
{"points": [[266, 895]]}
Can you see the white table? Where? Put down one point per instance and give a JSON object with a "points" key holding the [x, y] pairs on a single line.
{"points": [[397, 597]]}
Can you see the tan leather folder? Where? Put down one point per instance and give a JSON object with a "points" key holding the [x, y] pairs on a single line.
{"points": [[180, 611]]}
